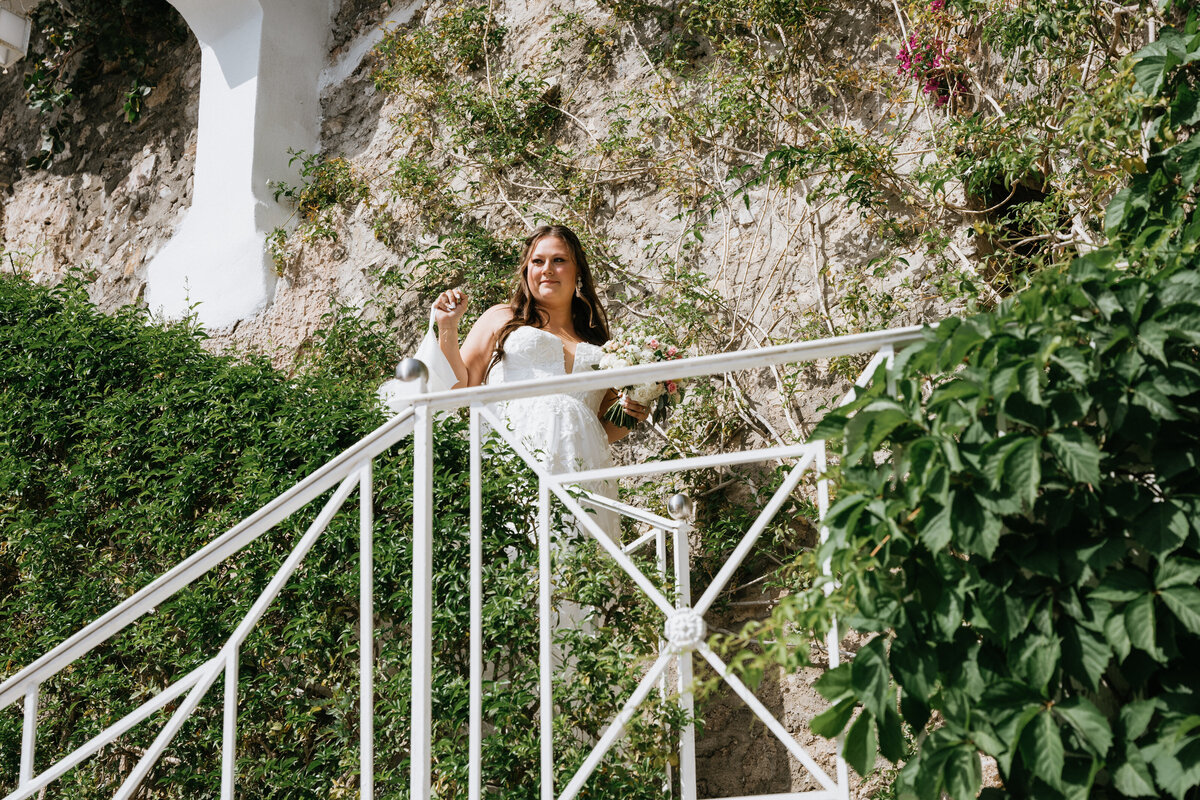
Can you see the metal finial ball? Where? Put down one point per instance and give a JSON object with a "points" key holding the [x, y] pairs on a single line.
{"points": [[411, 369], [679, 506]]}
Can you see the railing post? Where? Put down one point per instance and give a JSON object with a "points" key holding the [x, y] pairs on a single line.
{"points": [[475, 712], [229, 734], [366, 632], [422, 577], [546, 643], [680, 507], [833, 638], [29, 734]]}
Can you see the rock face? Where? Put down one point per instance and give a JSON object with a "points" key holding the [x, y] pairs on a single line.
{"points": [[116, 195]]}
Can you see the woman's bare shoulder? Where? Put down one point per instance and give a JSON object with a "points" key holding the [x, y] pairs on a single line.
{"points": [[495, 317], [489, 324]]}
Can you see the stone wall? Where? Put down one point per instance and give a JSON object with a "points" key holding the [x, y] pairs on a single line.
{"points": [[118, 191]]}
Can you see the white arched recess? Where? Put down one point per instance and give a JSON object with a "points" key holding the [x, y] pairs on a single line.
{"points": [[259, 70]]}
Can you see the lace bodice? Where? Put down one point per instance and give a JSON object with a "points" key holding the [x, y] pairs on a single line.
{"points": [[560, 430], [532, 353]]}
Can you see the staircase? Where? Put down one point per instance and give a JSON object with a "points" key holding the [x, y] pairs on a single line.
{"points": [[684, 633]]}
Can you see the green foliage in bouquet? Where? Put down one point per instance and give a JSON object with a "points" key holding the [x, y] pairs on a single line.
{"points": [[124, 447], [1028, 551]]}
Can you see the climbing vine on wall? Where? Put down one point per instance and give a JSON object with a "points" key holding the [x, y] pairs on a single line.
{"points": [[77, 42]]}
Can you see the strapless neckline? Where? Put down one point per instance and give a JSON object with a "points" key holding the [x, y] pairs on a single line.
{"points": [[574, 358]]}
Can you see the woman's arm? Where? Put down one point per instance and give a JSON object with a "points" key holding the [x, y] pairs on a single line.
{"points": [[470, 361], [633, 409]]}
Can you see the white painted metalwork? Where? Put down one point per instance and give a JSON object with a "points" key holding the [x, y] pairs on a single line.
{"points": [[683, 621]]}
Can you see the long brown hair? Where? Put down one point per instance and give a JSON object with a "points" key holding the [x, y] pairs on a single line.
{"points": [[587, 314]]}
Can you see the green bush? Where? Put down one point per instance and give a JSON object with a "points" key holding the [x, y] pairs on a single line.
{"points": [[1028, 550], [124, 447]]}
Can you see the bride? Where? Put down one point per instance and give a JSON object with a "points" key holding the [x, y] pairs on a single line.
{"points": [[554, 325]]}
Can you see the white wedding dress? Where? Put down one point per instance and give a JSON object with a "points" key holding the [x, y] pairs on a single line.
{"points": [[562, 431]]}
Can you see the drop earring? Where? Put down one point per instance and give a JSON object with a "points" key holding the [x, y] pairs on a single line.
{"points": [[579, 288]]}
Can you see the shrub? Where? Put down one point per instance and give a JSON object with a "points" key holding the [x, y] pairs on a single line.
{"points": [[124, 447]]}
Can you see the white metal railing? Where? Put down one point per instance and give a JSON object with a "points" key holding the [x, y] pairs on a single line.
{"points": [[684, 630]]}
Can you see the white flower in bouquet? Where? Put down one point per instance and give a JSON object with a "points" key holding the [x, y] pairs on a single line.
{"points": [[629, 350]]}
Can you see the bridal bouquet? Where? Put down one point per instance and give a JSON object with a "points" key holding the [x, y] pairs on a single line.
{"points": [[628, 350]]}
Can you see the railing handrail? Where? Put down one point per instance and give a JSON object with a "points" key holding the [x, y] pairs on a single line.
{"points": [[385, 436], [695, 366]]}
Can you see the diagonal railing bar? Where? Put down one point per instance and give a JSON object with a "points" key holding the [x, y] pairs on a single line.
{"points": [[584, 518], [633, 512], [238, 637], [218, 550], [767, 718], [722, 578], [89, 748], [617, 727]]}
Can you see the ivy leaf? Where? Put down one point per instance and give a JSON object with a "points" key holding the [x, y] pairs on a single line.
{"points": [[1085, 655], [1162, 528], [1078, 454], [974, 528], [1139, 624], [935, 531], [1149, 397], [891, 732], [869, 676], [829, 723], [1118, 637], [1042, 748], [1123, 585], [1135, 717], [1177, 572], [1095, 734], [870, 426], [834, 684], [915, 667], [859, 746], [1073, 362], [1023, 468], [1184, 603], [1132, 778], [964, 773], [1117, 210]]}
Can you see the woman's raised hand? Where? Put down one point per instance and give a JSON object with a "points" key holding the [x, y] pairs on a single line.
{"points": [[449, 307]]}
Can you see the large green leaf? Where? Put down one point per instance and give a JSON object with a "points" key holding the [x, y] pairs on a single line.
{"points": [[1123, 585], [834, 684], [1042, 748], [935, 530], [1022, 472], [964, 773], [1184, 603], [859, 746], [1162, 529], [832, 721], [869, 676], [1094, 730], [1078, 454], [1139, 623], [1132, 776]]}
